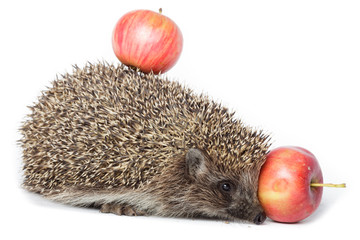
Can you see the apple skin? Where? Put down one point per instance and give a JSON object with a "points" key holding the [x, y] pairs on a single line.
{"points": [[284, 184], [147, 40]]}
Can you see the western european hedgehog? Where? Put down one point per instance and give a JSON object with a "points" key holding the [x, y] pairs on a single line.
{"points": [[139, 144]]}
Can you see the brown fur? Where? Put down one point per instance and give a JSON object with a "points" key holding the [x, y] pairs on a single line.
{"points": [[113, 135]]}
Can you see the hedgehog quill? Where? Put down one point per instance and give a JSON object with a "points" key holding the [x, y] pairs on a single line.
{"points": [[132, 143]]}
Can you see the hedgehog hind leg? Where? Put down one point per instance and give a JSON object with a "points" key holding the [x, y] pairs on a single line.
{"points": [[121, 209]]}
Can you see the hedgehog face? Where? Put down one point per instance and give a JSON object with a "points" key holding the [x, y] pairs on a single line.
{"points": [[222, 194], [243, 203]]}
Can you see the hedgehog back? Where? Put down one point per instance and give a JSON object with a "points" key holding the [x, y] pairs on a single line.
{"points": [[108, 126]]}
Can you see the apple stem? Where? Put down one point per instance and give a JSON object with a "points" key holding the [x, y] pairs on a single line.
{"points": [[342, 185], [160, 10]]}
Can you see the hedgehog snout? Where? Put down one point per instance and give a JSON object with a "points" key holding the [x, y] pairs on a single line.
{"points": [[260, 218]]}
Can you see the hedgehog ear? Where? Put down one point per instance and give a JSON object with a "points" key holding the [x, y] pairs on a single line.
{"points": [[195, 164]]}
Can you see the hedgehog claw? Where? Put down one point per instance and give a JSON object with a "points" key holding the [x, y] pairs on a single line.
{"points": [[120, 209]]}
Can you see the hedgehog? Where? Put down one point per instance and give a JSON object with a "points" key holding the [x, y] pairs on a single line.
{"points": [[111, 137]]}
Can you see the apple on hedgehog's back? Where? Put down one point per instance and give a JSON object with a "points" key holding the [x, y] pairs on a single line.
{"points": [[147, 40]]}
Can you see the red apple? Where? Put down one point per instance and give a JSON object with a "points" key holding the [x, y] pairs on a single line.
{"points": [[284, 184], [147, 40]]}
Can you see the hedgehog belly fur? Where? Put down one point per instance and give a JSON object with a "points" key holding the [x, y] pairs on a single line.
{"points": [[107, 127], [143, 200]]}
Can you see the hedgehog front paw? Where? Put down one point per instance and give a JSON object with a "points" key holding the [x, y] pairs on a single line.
{"points": [[120, 209]]}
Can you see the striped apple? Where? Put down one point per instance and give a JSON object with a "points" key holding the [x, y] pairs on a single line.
{"points": [[147, 40], [291, 184]]}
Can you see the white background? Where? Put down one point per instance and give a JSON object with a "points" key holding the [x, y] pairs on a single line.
{"points": [[288, 67]]}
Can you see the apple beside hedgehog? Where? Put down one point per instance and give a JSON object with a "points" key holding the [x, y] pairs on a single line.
{"points": [[291, 184]]}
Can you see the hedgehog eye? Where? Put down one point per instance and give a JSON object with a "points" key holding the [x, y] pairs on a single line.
{"points": [[225, 186]]}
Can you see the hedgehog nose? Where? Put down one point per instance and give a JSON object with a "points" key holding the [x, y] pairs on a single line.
{"points": [[260, 218]]}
